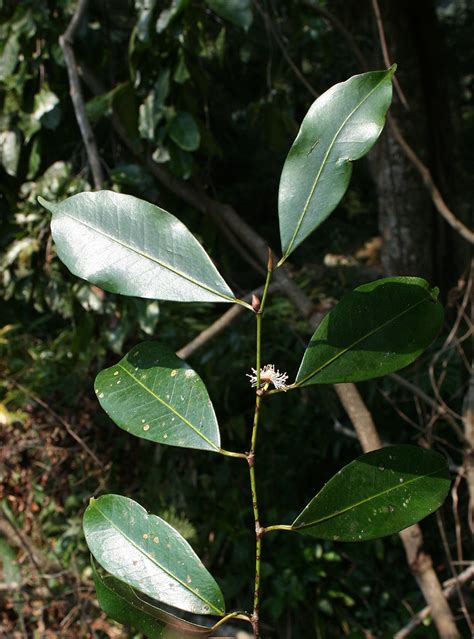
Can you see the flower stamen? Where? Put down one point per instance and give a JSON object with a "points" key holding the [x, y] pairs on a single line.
{"points": [[268, 375]]}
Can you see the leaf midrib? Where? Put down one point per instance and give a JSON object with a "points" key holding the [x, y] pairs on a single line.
{"points": [[363, 501], [323, 164], [157, 563], [358, 341], [150, 257], [168, 406]]}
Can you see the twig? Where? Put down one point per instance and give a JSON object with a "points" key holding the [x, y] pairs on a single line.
{"points": [[452, 567], [441, 410], [346, 34], [468, 418], [60, 419], [448, 591], [433, 190], [422, 169], [386, 56], [218, 326], [283, 49], [67, 41]]}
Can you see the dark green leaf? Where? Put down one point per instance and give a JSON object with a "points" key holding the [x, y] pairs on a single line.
{"points": [[168, 15], [124, 604], [144, 552], [342, 125], [184, 131], [181, 73], [377, 329], [131, 247], [377, 494], [239, 12], [153, 394]]}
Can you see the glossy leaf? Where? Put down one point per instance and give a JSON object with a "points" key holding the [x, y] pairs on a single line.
{"points": [[147, 554], [128, 246], [124, 604], [239, 12], [153, 394], [377, 329], [377, 494], [184, 131], [342, 125]]}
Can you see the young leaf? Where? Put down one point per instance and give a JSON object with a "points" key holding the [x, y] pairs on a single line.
{"points": [[377, 329], [147, 554], [124, 604], [153, 394], [377, 494], [342, 125], [131, 247]]}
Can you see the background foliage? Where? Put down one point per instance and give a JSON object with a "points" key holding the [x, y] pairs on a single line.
{"points": [[209, 91]]}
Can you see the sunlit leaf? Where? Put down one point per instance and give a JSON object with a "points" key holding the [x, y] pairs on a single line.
{"points": [[342, 125], [128, 246], [144, 552], [153, 394]]}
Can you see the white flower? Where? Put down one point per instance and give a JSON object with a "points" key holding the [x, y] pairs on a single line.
{"points": [[268, 375]]}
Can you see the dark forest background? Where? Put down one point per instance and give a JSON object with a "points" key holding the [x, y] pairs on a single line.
{"points": [[194, 105]]}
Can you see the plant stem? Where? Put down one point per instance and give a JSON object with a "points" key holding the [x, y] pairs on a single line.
{"points": [[276, 527], [229, 453], [255, 617]]}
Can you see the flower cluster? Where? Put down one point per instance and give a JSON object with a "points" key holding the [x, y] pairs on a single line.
{"points": [[268, 375]]}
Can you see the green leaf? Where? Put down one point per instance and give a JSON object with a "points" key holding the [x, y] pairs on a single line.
{"points": [[342, 125], [153, 394], [131, 247], [184, 131], [168, 15], [10, 149], [47, 110], [144, 552], [377, 329], [9, 56], [239, 12], [124, 604], [181, 73], [377, 494]]}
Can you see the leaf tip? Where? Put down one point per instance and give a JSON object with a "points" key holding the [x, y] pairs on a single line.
{"points": [[92, 501], [434, 292], [47, 205], [393, 69]]}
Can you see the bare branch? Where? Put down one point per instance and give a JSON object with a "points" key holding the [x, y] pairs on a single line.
{"points": [[283, 49], [433, 190], [60, 419], [67, 41], [219, 325], [386, 56], [449, 589], [346, 34]]}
